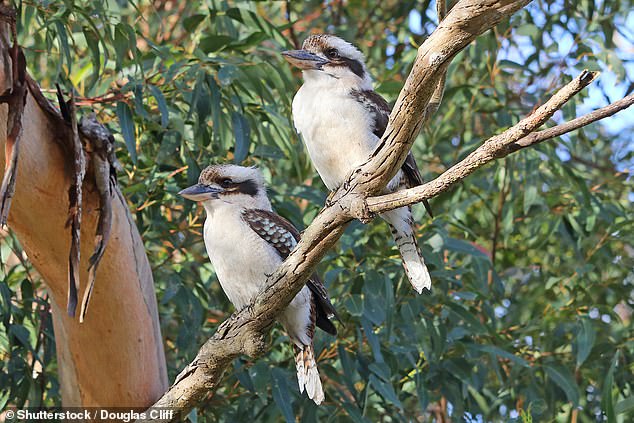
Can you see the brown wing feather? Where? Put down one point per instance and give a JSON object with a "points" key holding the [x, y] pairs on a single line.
{"points": [[380, 112], [414, 178], [282, 235]]}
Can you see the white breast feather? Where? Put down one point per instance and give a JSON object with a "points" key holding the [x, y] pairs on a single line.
{"points": [[336, 129], [242, 260]]}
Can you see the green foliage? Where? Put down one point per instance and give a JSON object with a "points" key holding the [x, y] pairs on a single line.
{"points": [[28, 370], [531, 257]]}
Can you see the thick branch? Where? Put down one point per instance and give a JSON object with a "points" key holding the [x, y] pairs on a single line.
{"points": [[465, 21], [244, 331], [436, 97]]}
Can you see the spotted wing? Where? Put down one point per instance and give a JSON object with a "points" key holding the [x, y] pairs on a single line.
{"points": [[380, 112], [282, 235]]}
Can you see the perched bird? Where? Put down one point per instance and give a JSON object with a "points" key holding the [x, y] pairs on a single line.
{"points": [[246, 241], [341, 120]]}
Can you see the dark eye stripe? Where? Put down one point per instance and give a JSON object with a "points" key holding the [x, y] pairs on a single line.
{"points": [[354, 65], [248, 187]]}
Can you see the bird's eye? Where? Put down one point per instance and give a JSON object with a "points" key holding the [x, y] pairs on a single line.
{"points": [[226, 183], [332, 53]]}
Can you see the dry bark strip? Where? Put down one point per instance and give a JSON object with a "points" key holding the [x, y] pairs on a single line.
{"points": [[69, 114], [99, 145], [244, 332], [100, 148], [15, 98]]}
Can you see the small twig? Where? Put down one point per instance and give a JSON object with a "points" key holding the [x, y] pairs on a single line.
{"points": [[494, 148], [564, 128]]}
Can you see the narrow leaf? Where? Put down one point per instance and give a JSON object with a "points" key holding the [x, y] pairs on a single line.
{"points": [[241, 132], [386, 390], [585, 341], [63, 39], [162, 105], [191, 22], [607, 402], [214, 43], [565, 382], [281, 395], [127, 128], [92, 41]]}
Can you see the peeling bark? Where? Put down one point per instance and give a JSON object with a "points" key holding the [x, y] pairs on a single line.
{"points": [[116, 357], [15, 97]]}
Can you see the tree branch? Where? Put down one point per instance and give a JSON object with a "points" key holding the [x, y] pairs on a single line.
{"points": [[466, 20], [244, 332], [436, 97], [501, 146], [564, 128]]}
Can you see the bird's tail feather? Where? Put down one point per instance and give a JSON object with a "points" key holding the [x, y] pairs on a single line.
{"points": [[307, 374], [402, 227]]}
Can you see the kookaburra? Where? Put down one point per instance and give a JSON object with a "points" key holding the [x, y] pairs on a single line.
{"points": [[341, 120], [246, 241]]}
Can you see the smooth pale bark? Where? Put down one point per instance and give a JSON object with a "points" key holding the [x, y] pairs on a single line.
{"points": [[114, 358]]}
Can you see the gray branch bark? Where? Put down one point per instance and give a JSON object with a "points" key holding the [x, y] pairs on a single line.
{"points": [[244, 331], [514, 139]]}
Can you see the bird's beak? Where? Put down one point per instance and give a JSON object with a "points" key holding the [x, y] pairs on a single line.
{"points": [[200, 192], [303, 59]]}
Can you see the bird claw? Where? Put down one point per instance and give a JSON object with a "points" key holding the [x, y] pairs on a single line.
{"points": [[246, 307], [329, 200]]}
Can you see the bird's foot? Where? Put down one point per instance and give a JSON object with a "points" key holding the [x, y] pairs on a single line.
{"points": [[329, 199]]}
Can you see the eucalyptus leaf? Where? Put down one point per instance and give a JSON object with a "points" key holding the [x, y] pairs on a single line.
{"points": [[585, 340], [126, 121], [565, 381], [281, 395], [241, 132]]}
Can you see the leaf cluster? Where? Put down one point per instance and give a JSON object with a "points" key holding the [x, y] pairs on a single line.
{"points": [[531, 257]]}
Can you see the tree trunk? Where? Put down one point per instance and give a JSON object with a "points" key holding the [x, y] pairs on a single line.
{"points": [[114, 358]]}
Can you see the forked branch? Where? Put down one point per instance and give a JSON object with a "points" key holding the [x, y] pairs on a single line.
{"points": [[519, 136], [244, 332]]}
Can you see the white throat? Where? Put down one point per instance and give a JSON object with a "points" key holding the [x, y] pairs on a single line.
{"points": [[241, 201], [340, 80]]}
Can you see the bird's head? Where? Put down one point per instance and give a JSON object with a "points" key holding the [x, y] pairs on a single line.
{"points": [[328, 55], [228, 183]]}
